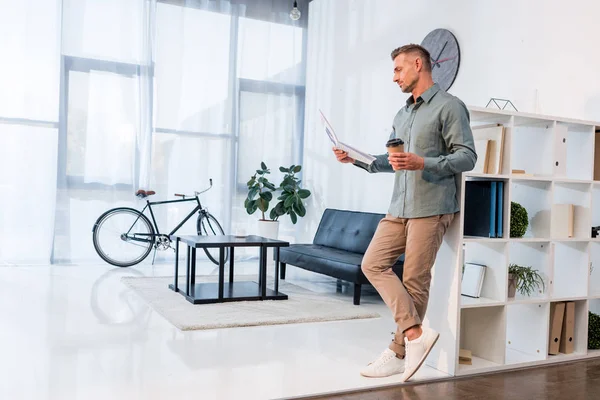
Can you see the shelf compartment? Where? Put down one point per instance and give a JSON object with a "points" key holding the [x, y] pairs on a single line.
{"points": [[536, 197], [482, 332], [579, 195], [595, 212], [579, 149], [526, 332], [536, 255], [530, 133], [494, 257], [580, 329], [570, 269], [594, 289]]}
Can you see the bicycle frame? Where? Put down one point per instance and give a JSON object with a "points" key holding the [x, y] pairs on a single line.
{"points": [[149, 205]]}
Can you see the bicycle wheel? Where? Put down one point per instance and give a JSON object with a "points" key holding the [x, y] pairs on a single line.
{"points": [[207, 225], [123, 236]]}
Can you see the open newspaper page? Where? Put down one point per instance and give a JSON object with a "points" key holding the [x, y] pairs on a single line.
{"points": [[352, 152]]}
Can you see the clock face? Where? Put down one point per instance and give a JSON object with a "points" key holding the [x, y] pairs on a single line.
{"points": [[445, 56]]}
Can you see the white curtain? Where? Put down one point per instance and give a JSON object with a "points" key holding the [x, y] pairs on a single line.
{"points": [[29, 86], [175, 93]]}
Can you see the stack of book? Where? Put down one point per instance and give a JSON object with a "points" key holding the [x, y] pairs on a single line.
{"points": [[484, 208]]}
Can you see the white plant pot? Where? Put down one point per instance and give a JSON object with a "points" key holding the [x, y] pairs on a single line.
{"points": [[268, 229]]}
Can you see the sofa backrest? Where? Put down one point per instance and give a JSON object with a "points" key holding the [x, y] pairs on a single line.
{"points": [[347, 230]]}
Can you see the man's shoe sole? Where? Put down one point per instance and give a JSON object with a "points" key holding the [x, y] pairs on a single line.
{"points": [[422, 359]]}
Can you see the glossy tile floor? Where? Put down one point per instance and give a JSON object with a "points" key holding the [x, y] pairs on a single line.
{"points": [[76, 332]]}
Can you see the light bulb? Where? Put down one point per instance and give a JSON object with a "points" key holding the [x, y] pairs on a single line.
{"points": [[295, 13]]}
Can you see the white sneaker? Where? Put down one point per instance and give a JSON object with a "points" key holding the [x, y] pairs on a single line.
{"points": [[417, 351], [387, 364]]}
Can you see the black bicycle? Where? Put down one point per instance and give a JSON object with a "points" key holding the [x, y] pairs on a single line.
{"points": [[124, 236]]}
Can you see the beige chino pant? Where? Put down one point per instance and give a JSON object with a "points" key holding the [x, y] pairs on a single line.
{"points": [[419, 239]]}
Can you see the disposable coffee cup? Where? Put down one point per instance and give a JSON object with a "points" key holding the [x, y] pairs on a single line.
{"points": [[395, 145]]}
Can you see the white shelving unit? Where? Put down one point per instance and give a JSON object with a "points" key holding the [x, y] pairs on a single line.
{"points": [[502, 333]]}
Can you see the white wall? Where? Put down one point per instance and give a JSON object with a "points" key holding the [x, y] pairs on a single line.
{"points": [[541, 54]]}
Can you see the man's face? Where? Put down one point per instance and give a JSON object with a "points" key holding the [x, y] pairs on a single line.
{"points": [[405, 72]]}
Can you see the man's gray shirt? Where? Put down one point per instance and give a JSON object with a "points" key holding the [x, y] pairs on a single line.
{"points": [[437, 128]]}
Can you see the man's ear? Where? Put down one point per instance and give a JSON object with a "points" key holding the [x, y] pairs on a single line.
{"points": [[418, 64]]}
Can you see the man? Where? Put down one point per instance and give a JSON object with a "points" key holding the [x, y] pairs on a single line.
{"points": [[438, 146]]}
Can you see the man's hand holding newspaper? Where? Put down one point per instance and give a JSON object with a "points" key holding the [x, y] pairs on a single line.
{"points": [[344, 152]]}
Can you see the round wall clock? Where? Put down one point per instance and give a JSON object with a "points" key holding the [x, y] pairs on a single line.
{"points": [[445, 56]]}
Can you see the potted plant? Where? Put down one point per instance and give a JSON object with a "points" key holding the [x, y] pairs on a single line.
{"points": [[290, 200], [260, 195], [519, 220], [523, 278]]}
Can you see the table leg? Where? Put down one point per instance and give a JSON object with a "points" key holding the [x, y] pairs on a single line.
{"points": [[277, 270], [263, 272], [176, 264], [231, 264], [193, 274], [221, 271], [187, 270], [260, 262]]}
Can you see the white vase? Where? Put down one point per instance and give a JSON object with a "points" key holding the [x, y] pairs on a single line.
{"points": [[268, 229]]}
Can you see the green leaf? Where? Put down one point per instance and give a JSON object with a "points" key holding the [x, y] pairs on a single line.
{"points": [[263, 166], [251, 181], [273, 215], [297, 168], [288, 202], [262, 204], [293, 217], [300, 209], [279, 209], [283, 196], [284, 169], [270, 185], [268, 196], [251, 208], [258, 171], [289, 188], [253, 192], [303, 193], [292, 167]]}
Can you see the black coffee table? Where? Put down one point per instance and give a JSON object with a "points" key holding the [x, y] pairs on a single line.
{"points": [[210, 292]]}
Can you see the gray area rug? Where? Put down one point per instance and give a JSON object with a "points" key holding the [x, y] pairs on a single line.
{"points": [[301, 306]]}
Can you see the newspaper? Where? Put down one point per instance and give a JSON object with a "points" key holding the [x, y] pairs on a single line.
{"points": [[352, 152]]}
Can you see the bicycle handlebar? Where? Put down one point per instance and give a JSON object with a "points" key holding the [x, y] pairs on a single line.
{"points": [[195, 193]]}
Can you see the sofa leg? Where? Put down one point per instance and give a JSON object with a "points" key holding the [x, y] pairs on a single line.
{"points": [[282, 271], [356, 294]]}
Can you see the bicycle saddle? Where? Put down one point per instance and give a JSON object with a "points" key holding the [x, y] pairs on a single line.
{"points": [[144, 193]]}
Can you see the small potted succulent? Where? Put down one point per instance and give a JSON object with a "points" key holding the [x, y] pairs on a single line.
{"points": [[524, 279]]}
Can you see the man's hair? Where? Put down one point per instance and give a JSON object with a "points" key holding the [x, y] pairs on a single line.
{"points": [[414, 49]]}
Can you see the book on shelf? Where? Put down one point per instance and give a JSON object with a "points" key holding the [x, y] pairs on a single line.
{"points": [[562, 222], [472, 280], [567, 334], [557, 311], [352, 152], [484, 208]]}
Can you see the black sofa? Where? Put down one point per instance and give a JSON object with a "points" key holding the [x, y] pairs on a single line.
{"points": [[338, 247]]}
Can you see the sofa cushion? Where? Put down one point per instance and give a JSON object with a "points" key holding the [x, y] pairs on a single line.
{"points": [[329, 261], [347, 230]]}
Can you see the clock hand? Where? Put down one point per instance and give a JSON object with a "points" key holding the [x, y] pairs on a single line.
{"points": [[441, 61], [441, 51]]}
